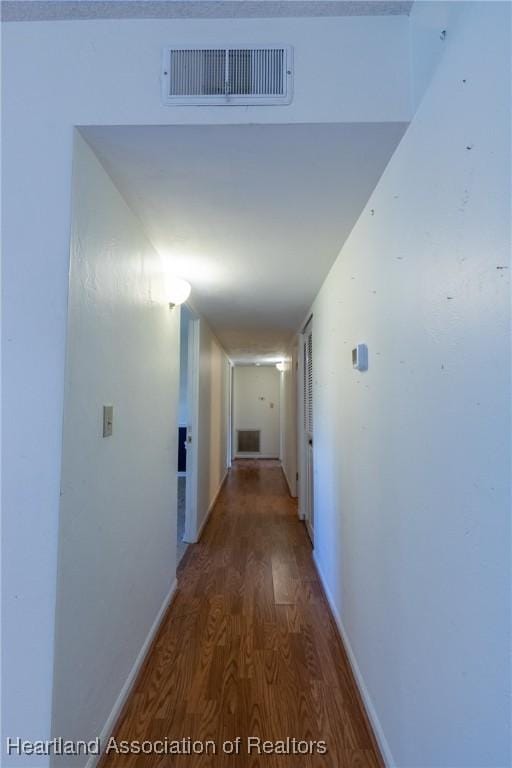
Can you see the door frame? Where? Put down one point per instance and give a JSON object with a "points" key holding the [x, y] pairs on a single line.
{"points": [[301, 454], [229, 415], [302, 440], [191, 483]]}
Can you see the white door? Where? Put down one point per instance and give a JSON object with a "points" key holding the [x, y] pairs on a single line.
{"points": [[309, 514]]}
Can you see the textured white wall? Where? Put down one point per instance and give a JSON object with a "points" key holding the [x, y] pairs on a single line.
{"points": [[251, 383], [85, 77], [117, 536], [412, 457], [212, 420]]}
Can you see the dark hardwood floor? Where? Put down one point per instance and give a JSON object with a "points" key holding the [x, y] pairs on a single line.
{"points": [[249, 647]]}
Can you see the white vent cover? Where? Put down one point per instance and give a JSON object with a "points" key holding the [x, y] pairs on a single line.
{"points": [[227, 76], [248, 440]]}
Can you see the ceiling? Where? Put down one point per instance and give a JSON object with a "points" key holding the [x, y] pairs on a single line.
{"points": [[252, 215], [55, 10]]}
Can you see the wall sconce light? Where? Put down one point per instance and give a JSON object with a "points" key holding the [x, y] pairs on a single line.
{"points": [[280, 366], [178, 291]]}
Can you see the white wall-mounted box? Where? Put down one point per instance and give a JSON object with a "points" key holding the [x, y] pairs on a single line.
{"points": [[360, 357]]}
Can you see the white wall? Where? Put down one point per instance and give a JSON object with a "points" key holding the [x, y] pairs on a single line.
{"points": [[412, 457], [84, 77], [214, 368], [117, 535], [256, 396], [431, 23]]}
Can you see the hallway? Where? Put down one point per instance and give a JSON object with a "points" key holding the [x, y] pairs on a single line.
{"points": [[257, 384], [248, 647]]}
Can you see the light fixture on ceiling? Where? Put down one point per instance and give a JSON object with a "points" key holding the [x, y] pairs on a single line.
{"points": [[280, 366], [178, 291], [257, 365]]}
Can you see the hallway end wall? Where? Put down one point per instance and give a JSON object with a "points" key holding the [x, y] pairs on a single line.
{"points": [[256, 396], [412, 456], [117, 528]]}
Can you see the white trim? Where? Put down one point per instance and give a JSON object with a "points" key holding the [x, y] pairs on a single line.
{"points": [[229, 414], [212, 505], [112, 719], [301, 449], [181, 474], [363, 690], [256, 456]]}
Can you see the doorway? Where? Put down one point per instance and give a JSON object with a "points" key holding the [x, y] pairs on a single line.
{"points": [[187, 432]]}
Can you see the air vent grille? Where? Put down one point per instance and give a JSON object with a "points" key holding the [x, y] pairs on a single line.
{"points": [[248, 441], [197, 73], [227, 76]]}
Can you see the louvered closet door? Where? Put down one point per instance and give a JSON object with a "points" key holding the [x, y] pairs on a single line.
{"points": [[308, 427]]}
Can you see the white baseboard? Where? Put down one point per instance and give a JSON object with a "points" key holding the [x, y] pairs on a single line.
{"points": [[213, 503], [365, 696], [109, 726], [256, 456]]}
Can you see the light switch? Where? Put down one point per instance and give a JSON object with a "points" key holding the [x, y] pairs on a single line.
{"points": [[108, 419], [360, 357]]}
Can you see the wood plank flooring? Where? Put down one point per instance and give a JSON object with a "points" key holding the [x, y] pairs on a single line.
{"points": [[248, 647]]}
